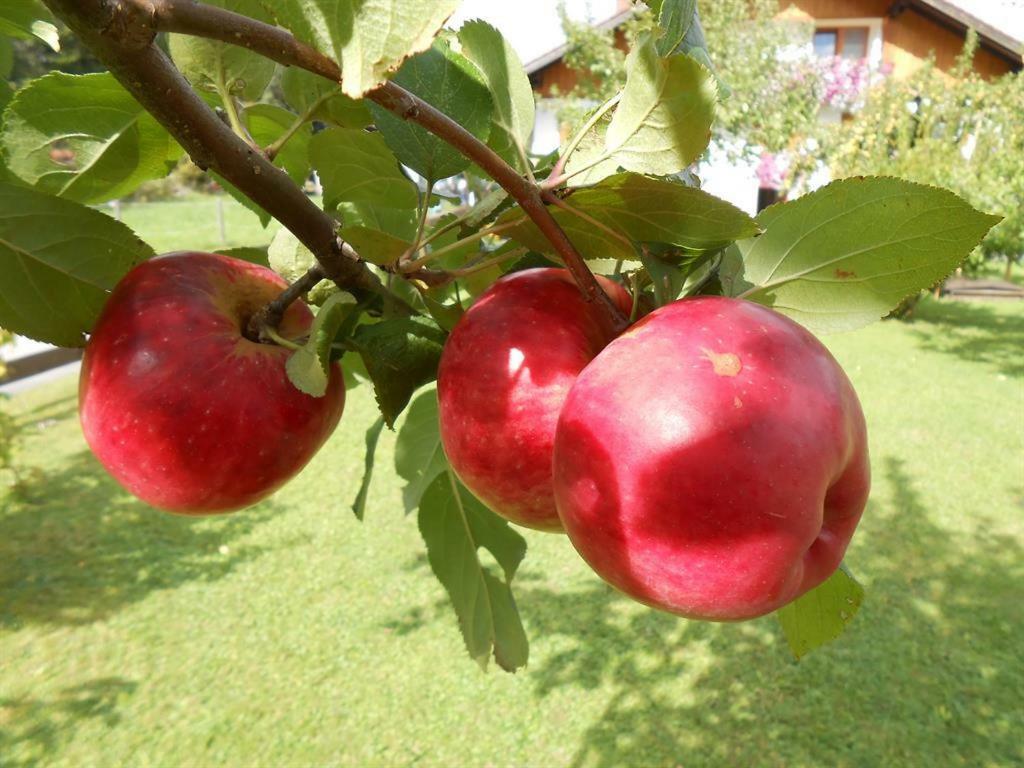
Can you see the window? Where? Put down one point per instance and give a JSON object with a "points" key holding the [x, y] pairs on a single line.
{"points": [[846, 42]]}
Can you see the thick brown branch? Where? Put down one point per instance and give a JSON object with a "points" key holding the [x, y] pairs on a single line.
{"points": [[192, 18], [121, 35]]}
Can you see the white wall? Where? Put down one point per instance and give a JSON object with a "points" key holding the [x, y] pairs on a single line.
{"points": [[532, 26], [731, 179], [22, 347]]}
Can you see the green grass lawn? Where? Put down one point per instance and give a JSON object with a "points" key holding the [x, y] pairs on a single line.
{"points": [[193, 222], [291, 634]]}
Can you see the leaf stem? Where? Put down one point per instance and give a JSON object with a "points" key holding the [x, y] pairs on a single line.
{"points": [[273, 149], [482, 265], [560, 203], [281, 340], [231, 108], [559, 169], [421, 224], [476, 236]]}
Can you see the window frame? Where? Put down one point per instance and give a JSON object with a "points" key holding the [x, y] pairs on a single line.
{"points": [[875, 41]]}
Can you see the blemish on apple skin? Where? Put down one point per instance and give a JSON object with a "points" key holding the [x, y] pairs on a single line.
{"points": [[737, 403], [724, 363], [844, 274]]}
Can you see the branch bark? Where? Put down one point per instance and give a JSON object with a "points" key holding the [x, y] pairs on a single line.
{"points": [[192, 18], [121, 34]]}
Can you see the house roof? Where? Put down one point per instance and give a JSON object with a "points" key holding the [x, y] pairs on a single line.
{"points": [[533, 27], [554, 55], [1001, 22]]}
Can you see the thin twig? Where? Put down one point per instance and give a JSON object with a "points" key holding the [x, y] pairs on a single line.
{"points": [[560, 203], [475, 237], [270, 316], [552, 180], [272, 149]]}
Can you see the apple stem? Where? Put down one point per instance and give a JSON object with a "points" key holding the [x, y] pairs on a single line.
{"points": [[262, 325]]}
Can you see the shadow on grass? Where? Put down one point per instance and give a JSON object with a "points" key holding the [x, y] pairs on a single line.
{"points": [[973, 331], [75, 547], [929, 673], [35, 728]]}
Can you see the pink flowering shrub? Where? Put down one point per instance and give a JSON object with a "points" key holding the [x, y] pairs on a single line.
{"points": [[844, 82], [771, 171]]}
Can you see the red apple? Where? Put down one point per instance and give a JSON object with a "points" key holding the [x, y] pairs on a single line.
{"points": [[504, 374], [712, 461], [183, 410]]}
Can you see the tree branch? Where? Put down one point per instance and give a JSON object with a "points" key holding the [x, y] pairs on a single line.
{"points": [[192, 18], [121, 35]]}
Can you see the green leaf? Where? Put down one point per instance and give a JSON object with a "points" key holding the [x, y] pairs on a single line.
{"points": [[641, 209], [419, 457], [667, 278], [447, 315], [368, 39], [695, 45], [306, 92], [212, 65], [356, 166], [287, 256], [309, 367], [454, 526], [373, 245], [674, 18], [451, 83], [6, 66], [247, 253], [663, 122], [6, 94], [486, 207], [372, 435], [85, 138], [58, 261], [400, 222], [821, 615], [847, 254], [590, 163], [266, 123], [513, 117], [401, 355], [25, 19]]}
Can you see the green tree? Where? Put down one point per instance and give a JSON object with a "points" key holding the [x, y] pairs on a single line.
{"points": [[771, 92], [956, 130]]}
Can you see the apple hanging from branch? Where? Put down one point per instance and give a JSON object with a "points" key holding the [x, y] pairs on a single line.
{"points": [[504, 375], [183, 409], [712, 461]]}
